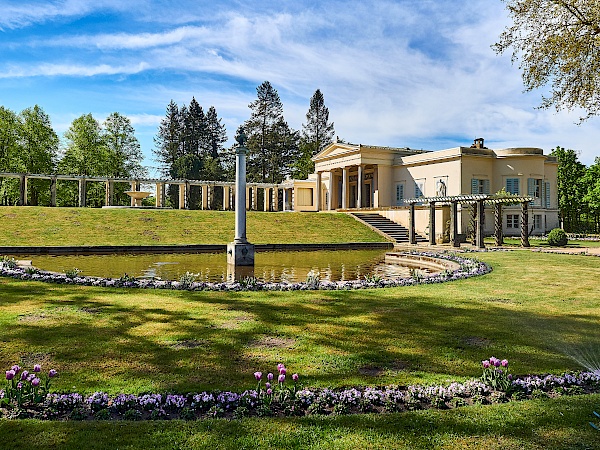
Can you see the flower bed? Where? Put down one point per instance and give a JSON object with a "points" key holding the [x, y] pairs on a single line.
{"points": [[467, 268], [276, 397]]}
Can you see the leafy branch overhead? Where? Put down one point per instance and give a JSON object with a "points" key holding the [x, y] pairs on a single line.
{"points": [[557, 44]]}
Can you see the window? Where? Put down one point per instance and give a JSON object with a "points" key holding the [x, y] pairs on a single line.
{"points": [[537, 221], [512, 221], [419, 188], [480, 186], [512, 186], [399, 194], [547, 194], [534, 187]]}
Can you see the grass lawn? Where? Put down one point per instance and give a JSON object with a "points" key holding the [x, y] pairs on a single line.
{"points": [[534, 309], [540, 425], [38, 226], [533, 242]]}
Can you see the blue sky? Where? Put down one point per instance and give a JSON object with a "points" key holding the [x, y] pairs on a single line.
{"points": [[416, 73]]}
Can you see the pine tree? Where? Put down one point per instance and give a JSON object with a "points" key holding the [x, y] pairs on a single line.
{"points": [[216, 133], [168, 141], [194, 130], [318, 131], [271, 143], [317, 134]]}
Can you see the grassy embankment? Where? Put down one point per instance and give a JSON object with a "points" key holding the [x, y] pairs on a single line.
{"points": [[86, 226], [533, 309]]}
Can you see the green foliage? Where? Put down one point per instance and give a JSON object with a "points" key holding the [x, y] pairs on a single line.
{"points": [[72, 273], [272, 144], [557, 238], [556, 45]]}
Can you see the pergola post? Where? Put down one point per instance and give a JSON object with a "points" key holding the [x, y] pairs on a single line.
{"points": [[411, 224], [53, 191], [210, 192], [480, 230], [524, 224], [318, 192], [432, 223], [473, 223], [454, 223], [498, 236], [182, 196], [108, 193], [225, 198], [23, 190], [82, 192], [275, 198], [266, 192], [204, 188]]}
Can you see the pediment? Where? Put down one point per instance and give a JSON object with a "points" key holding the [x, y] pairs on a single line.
{"points": [[334, 150]]}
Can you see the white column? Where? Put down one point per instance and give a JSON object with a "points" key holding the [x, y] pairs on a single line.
{"points": [[359, 186], [318, 192], [248, 192], [133, 185], [344, 188], [240, 198], [330, 189], [275, 198]]}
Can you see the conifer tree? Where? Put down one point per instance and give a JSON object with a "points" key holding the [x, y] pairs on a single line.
{"points": [[168, 141]]}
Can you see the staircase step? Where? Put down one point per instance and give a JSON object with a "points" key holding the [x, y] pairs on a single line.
{"points": [[388, 227]]}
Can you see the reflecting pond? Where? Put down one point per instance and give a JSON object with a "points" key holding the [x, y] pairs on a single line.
{"points": [[339, 265]]}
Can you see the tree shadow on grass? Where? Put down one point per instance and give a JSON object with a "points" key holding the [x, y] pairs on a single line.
{"points": [[182, 341]]}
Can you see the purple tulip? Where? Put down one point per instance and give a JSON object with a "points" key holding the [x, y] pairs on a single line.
{"points": [[15, 369], [504, 363], [24, 375], [267, 385], [37, 368], [52, 373], [35, 382], [282, 371], [281, 378], [258, 375], [269, 391], [486, 364], [270, 376], [295, 377], [280, 366], [19, 385], [10, 374], [497, 363], [510, 377]]}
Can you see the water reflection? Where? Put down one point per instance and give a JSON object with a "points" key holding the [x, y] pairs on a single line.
{"points": [[270, 266]]}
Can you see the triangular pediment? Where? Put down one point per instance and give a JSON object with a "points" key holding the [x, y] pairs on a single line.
{"points": [[335, 149]]}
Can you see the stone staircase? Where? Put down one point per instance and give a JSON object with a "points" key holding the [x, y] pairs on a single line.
{"points": [[393, 230]]}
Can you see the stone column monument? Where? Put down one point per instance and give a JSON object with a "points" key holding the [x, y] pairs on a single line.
{"points": [[240, 252]]}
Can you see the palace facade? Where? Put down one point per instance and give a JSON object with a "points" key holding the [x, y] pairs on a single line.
{"points": [[356, 176]]}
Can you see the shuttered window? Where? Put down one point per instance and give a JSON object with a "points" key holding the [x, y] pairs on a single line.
{"points": [[479, 186], [512, 186]]}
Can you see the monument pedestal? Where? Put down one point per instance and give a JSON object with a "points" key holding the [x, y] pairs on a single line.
{"points": [[240, 254]]}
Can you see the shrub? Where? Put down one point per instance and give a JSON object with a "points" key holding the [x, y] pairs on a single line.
{"points": [[557, 238]]}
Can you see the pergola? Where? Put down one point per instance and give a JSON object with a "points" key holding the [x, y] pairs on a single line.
{"points": [[479, 201]]}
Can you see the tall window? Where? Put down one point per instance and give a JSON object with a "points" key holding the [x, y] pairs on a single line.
{"points": [[512, 186], [534, 187], [512, 221], [537, 221], [480, 186], [399, 194], [419, 188], [547, 194]]}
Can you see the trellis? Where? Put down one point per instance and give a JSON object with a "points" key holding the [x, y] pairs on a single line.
{"points": [[479, 200]]}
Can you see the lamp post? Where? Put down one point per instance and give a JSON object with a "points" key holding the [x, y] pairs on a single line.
{"points": [[240, 252]]}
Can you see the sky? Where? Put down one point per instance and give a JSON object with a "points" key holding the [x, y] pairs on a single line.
{"points": [[403, 73]]}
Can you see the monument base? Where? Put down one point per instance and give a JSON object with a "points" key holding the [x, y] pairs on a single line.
{"points": [[239, 254], [239, 273]]}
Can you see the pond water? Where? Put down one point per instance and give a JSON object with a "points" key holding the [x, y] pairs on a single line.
{"points": [[212, 267]]}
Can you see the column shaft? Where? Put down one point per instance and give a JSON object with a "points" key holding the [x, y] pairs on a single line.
{"points": [[432, 223]]}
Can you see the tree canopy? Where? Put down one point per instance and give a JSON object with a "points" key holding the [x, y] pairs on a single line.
{"points": [[557, 43]]}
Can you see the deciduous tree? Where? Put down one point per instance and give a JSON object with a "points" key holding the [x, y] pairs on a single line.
{"points": [[557, 43]]}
